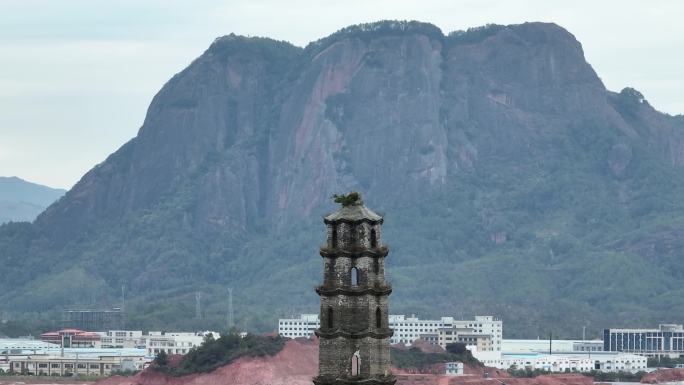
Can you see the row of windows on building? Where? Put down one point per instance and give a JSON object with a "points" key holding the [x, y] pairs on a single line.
{"points": [[120, 334], [436, 324], [170, 343], [168, 351], [643, 341], [405, 330], [108, 340], [17, 366], [589, 349], [296, 323], [400, 329]]}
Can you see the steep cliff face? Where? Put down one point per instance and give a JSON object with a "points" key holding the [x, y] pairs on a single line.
{"points": [[511, 177], [208, 125]]}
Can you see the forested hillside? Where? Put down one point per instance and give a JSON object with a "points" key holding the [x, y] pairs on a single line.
{"points": [[512, 183]]}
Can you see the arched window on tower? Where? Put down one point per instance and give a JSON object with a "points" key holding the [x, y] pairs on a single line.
{"points": [[356, 364], [373, 239], [330, 317], [354, 276], [378, 318], [334, 236], [376, 266]]}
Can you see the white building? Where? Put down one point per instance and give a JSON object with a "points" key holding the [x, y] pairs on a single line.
{"points": [[487, 325], [542, 346], [174, 343], [565, 361], [121, 338], [406, 329], [155, 341], [409, 329], [303, 326], [23, 346], [478, 341], [666, 340], [82, 361], [453, 368]]}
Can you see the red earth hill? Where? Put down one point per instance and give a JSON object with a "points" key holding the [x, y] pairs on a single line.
{"points": [[663, 375], [297, 363]]}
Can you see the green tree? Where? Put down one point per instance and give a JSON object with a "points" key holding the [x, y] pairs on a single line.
{"points": [[456, 348], [161, 360]]}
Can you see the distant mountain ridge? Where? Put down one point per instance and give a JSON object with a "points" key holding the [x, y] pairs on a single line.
{"points": [[23, 201], [513, 184]]}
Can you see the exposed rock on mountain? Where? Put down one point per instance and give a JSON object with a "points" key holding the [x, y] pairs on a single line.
{"points": [[514, 183]]}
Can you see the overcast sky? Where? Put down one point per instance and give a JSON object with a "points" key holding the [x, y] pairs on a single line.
{"points": [[76, 76]]}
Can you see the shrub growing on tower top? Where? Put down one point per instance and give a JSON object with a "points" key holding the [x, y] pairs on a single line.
{"points": [[353, 198]]}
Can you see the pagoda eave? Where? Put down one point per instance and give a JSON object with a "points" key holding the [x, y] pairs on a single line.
{"points": [[386, 333]]}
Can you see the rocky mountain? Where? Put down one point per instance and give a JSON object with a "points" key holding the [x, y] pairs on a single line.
{"points": [[512, 181], [23, 201]]}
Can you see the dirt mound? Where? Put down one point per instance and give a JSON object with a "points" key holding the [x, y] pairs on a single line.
{"points": [[426, 347], [663, 375], [296, 364]]}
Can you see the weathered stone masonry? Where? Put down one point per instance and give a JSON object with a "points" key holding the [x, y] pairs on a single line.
{"points": [[354, 333]]}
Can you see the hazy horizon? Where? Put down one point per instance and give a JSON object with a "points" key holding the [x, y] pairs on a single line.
{"points": [[79, 75]]}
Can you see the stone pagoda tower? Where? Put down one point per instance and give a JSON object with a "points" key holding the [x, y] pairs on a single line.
{"points": [[354, 337]]}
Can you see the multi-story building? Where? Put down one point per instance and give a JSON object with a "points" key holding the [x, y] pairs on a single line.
{"points": [[303, 326], [409, 329], [483, 331], [485, 325], [174, 343], [481, 342], [587, 346], [72, 338], [56, 364], [24, 346], [466, 336], [121, 338], [543, 346], [406, 329], [93, 319], [667, 340], [567, 361], [154, 342]]}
